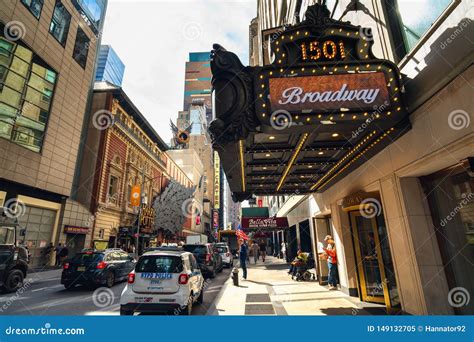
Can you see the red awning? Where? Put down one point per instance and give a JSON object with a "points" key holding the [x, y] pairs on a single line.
{"points": [[259, 223]]}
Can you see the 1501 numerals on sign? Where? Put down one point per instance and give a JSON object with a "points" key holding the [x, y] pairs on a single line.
{"points": [[314, 50]]}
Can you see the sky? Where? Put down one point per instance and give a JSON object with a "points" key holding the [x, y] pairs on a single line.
{"points": [[154, 37]]}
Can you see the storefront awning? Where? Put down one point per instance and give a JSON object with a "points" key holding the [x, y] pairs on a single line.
{"points": [[320, 110]]}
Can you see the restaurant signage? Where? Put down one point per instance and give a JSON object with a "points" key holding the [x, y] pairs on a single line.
{"points": [[147, 219], [264, 223], [75, 230]]}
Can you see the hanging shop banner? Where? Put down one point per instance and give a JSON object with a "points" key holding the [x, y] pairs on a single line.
{"points": [[135, 196], [264, 223], [215, 219], [217, 180]]}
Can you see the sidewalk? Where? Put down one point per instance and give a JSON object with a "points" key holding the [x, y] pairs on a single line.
{"points": [[269, 290]]}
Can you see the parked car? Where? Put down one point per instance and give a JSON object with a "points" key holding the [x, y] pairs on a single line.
{"points": [[163, 281], [208, 259], [13, 256], [224, 250], [96, 268]]}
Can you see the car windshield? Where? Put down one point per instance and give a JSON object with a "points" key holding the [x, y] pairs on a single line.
{"points": [[86, 258], [7, 235], [159, 264], [196, 249], [221, 249]]}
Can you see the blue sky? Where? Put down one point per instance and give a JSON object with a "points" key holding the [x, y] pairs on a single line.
{"points": [[153, 39]]}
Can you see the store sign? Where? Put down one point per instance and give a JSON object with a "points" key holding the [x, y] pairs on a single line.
{"points": [[217, 181], [262, 223], [147, 219], [75, 230], [328, 93]]}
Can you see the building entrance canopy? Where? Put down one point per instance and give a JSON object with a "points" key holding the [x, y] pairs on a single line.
{"points": [[323, 107]]}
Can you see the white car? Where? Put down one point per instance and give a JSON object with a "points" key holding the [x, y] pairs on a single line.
{"points": [[224, 250], [163, 281]]}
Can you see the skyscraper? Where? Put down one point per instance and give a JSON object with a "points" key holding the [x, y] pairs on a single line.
{"points": [[110, 67], [197, 83]]}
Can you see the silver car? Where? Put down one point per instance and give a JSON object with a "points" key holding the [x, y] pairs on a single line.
{"points": [[224, 251]]}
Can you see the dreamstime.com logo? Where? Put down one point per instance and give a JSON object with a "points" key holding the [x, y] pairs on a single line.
{"points": [[14, 208], [191, 208], [459, 297], [14, 30], [459, 119], [45, 330], [192, 30], [103, 119], [370, 207], [103, 297]]}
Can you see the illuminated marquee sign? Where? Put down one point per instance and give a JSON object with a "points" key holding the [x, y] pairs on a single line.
{"points": [[360, 91], [319, 107]]}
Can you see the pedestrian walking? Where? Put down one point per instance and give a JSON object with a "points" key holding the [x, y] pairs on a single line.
{"points": [[47, 254], [63, 254], [283, 250], [330, 251], [243, 255], [263, 249], [57, 251], [255, 250]]}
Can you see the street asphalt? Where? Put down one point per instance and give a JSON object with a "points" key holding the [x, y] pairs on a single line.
{"points": [[42, 294]]}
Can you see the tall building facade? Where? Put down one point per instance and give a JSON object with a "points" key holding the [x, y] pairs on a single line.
{"points": [[122, 150], [402, 222], [197, 83], [47, 62], [110, 67]]}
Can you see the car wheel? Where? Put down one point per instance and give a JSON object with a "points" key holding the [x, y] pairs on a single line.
{"points": [[14, 281], [188, 310], [68, 286], [110, 280], [124, 312], [200, 299]]}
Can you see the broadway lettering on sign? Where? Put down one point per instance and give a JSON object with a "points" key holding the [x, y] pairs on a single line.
{"points": [[330, 92]]}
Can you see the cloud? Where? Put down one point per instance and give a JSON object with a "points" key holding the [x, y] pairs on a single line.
{"points": [[153, 39]]}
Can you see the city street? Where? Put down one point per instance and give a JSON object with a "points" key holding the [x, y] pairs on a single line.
{"points": [[46, 296]]}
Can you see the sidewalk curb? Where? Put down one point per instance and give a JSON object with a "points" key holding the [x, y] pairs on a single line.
{"points": [[213, 307]]}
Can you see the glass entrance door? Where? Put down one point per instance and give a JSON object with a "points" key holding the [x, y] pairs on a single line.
{"points": [[374, 261]]}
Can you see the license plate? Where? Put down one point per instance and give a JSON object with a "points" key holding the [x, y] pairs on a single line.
{"points": [[81, 268], [143, 299]]}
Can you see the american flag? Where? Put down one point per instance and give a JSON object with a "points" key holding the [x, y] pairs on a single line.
{"points": [[240, 234]]}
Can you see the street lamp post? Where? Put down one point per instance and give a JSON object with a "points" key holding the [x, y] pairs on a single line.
{"points": [[137, 240]]}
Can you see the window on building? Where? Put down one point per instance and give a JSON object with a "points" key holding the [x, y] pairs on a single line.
{"points": [[35, 6], [81, 48], [26, 91], [409, 26], [60, 21], [113, 187]]}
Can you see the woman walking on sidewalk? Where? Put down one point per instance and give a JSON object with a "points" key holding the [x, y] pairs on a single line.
{"points": [[330, 251]]}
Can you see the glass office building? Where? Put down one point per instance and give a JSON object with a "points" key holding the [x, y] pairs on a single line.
{"points": [[110, 67]]}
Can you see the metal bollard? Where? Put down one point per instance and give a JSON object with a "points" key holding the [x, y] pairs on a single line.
{"points": [[235, 276]]}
